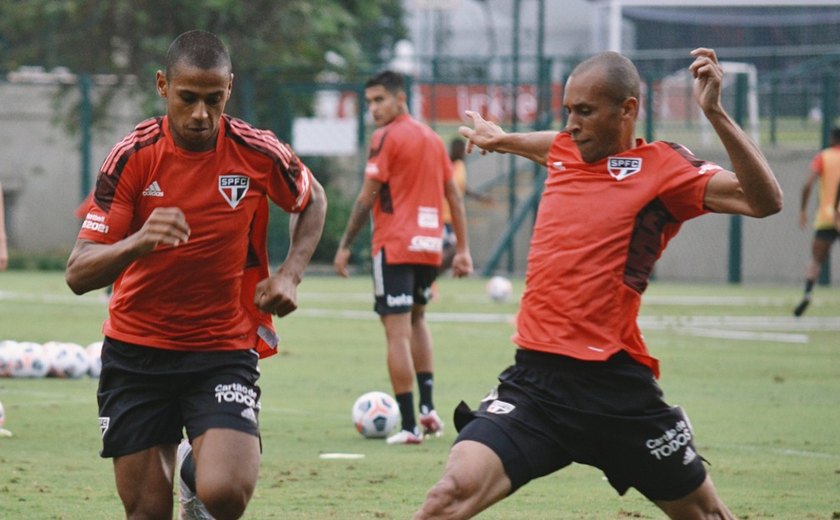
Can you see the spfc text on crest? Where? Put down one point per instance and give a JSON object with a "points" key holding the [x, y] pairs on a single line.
{"points": [[233, 188], [623, 167]]}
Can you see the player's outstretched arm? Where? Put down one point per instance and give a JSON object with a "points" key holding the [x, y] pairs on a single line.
{"points": [[277, 294], [489, 137], [753, 189], [92, 265]]}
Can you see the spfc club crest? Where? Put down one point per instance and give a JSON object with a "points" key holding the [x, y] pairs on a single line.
{"points": [[233, 188], [623, 167]]}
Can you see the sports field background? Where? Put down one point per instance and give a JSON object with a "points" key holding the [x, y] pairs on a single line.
{"points": [[761, 389]]}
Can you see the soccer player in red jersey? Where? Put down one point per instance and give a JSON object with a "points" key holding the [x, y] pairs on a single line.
{"points": [[583, 385], [407, 177], [825, 168], [177, 223]]}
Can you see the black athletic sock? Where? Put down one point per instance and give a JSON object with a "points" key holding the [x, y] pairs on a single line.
{"points": [[425, 382], [809, 288], [406, 403]]}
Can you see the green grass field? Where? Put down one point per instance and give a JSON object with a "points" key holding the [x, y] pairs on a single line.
{"points": [[762, 390]]}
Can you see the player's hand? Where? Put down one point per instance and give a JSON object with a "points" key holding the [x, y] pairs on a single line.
{"points": [[708, 77], [165, 226], [341, 260], [482, 134], [277, 294], [462, 265]]}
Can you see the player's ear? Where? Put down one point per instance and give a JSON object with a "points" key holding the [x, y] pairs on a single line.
{"points": [[230, 85], [160, 82], [630, 108]]}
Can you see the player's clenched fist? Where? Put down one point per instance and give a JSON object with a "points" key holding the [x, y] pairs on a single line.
{"points": [[167, 226]]}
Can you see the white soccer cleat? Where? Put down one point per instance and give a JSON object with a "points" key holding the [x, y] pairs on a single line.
{"points": [[189, 506], [432, 424], [405, 437]]}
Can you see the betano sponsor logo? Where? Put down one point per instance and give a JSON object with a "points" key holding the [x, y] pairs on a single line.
{"points": [[399, 300], [96, 223]]}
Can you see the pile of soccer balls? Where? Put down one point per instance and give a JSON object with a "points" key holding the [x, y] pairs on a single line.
{"points": [[51, 359]]}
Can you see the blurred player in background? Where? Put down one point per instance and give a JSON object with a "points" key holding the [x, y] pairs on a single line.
{"points": [[825, 167], [457, 155], [583, 386], [178, 224], [407, 177], [4, 248]]}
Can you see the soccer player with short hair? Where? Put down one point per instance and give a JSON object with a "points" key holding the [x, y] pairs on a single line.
{"points": [[178, 224], [583, 385], [407, 177]]}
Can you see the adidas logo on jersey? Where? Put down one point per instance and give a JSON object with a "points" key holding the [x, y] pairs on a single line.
{"points": [[153, 190]]}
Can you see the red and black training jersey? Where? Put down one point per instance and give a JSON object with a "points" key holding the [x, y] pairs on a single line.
{"points": [[410, 159], [191, 297], [600, 228]]}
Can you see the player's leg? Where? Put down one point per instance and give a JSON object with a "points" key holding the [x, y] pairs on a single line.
{"points": [[701, 504], [422, 350], [401, 372], [144, 482], [820, 248], [227, 465], [393, 294], [473, 480]]}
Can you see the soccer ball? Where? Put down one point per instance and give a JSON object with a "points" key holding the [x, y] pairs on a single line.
{"points": [[7, 349], [375, 414], [499, 288], [66, 360], [29, 360], [94, 353]]}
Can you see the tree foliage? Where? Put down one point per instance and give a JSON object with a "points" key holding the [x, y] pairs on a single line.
{"points": [[270, 40]]}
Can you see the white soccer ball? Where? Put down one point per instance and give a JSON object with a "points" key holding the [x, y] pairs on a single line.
{"points": [[7, 349], [29, 360], [68, 360], [499, 288], [375, 414], [94, 353]]}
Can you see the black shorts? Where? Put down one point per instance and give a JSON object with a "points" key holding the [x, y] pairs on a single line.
{"points": [[549, 411], [827, 235], [147, 395], [396, 287]]}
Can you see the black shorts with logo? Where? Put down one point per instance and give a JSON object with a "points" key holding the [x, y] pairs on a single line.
{"points": [[148, 395], [549, 411], [396, 287]]}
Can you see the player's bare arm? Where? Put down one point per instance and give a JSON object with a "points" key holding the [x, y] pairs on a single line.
{"points": [[92, 265], [358, 218], [462, 262], [806, 195], [750, 188], [489, 137], [277, 294]]}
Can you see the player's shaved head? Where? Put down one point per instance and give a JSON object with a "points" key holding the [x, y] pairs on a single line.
{"points": [[622, 77], [199, 49]]}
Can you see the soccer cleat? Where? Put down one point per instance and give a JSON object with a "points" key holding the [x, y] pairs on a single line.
{"points": [[189, 506], [405, 437], [800, 309], [431, 423]]}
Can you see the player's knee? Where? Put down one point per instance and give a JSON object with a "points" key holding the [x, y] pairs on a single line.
{"points": [[224, 499]]}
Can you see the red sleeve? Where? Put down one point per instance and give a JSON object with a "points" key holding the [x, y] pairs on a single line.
{"points": [[290, 185], [683, 189], [817, 163], [378, 167], [111, 212]]}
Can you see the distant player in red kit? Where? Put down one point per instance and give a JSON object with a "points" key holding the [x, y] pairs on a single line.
{"points": [[407, 177], [583, 385], [178, 223]]}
